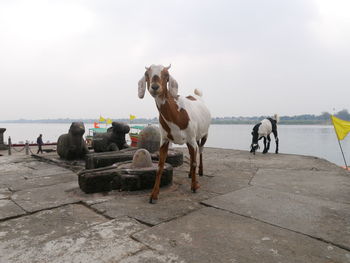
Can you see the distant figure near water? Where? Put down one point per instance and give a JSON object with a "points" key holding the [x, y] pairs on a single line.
{"points": [[40, 143], [263, 130]]}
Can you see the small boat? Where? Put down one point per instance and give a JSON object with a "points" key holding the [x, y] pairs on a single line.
{"points": [[92, 131], [134, 133]]}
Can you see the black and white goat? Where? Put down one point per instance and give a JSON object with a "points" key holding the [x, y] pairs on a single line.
{"points": [[263, 130]]}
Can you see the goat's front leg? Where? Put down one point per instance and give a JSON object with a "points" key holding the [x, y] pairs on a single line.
{"points": [[276, 139], [163, 152], [265, 148], [192, 148]]}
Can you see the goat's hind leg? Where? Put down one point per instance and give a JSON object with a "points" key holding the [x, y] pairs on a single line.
{"points": [[201, 146], [276, 140], [192, 148]]}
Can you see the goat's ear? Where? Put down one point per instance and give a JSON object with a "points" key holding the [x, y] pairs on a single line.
{"points": [[173, 86], [142, 87]]}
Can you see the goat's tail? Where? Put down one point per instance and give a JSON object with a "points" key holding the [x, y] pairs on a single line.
{"points": [[277, 118], [198, 92]]}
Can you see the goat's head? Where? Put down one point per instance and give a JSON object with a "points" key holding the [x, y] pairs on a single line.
{"points": [[255, 145], [157, 78]]}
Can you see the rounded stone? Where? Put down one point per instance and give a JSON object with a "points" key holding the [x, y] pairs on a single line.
{"points": [[142, 159], [149, 139]]}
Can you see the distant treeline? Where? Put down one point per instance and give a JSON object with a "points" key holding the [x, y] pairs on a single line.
{"points": [[324, 118]]}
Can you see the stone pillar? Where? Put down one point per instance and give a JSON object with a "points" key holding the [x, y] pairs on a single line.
{"points": [[27, 147], [2, 145]]}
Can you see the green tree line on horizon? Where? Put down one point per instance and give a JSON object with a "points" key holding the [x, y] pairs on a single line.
{"points": [[323, 118]]}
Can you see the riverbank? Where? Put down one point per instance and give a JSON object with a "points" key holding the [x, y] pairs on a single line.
{"points": [[250, 208]]}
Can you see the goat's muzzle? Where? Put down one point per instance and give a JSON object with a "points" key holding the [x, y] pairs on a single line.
{"points": [[155, 87], [254, 147]]}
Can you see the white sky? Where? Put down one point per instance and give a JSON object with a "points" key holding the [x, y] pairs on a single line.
{"points": [[83, 59]]}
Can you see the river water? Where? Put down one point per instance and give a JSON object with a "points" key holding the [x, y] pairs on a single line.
{"points": [[315, 140]]}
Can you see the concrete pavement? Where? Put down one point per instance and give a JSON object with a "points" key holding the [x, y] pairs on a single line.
{"points": [[250, 208]]}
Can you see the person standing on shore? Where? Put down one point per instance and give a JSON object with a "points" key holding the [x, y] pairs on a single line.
{"points": [[40, 142]]}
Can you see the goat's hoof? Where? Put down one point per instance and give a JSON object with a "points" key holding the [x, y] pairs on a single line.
{"points": [[200, 173], [189, 176], [152, 201], [264, 152], [194, 189]]}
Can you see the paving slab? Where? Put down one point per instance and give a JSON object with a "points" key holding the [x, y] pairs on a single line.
{"points": [[215, 158], [326, 220], [152, 256], [14, 158], [213, 235], [106, 242], [6, 180], [14, 168], [326, 185], [23, 183], [173, 202], [47, 197], [226, 181], [47, 225], [53, 235], [38, 169], [5, 193], [9, 209]]}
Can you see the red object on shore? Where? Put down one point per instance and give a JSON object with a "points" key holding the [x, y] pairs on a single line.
{"points": [[134, 138], [346, 168]]}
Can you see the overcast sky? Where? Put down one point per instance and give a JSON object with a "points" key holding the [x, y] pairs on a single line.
{"points": [[83, 59]]}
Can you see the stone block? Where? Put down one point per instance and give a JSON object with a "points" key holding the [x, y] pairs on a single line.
{"points": [[99, 160], [113, 178]]}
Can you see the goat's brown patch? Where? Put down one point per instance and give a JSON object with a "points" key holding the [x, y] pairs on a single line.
{"points": [[170, 111], [190, 97], [165, 127]]}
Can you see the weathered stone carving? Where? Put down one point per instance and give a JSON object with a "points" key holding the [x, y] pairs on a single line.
{"points": [[149, 139], [104, 159], [72, 146], [2, 145], [113, 139], [140, 173]]}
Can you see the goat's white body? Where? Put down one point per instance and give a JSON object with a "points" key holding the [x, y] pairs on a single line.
{"points": [[265, 128], [187, 121], [198, 125]]}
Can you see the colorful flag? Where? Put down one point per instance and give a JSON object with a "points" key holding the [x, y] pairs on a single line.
{"points": [[132, 117], [109, 121], [96, 125], [341, 127], [102, 119]]}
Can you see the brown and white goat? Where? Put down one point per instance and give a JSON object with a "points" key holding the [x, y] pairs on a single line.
{"points": [[181, 120]]}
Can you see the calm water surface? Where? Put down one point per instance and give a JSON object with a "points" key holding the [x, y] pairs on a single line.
{"points": [[315, 140]]}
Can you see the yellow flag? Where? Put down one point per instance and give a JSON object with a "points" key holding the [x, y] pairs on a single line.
{"points": [[102, 119], [341, 127], [132, 117], [109, 121]]}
